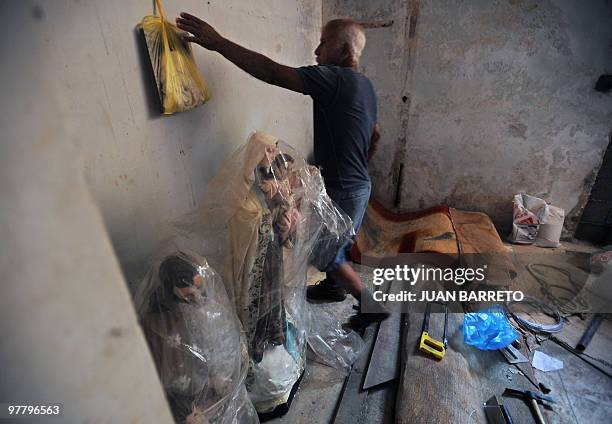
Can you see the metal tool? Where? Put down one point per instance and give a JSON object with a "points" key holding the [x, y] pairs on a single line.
{"points": [[496, 412], [533, 398], [385, 358], [427, 343], [513, 355], [526, 370], [589, 332]]}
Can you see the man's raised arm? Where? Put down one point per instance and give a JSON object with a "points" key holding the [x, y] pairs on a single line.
{"points": [[258, 65]]}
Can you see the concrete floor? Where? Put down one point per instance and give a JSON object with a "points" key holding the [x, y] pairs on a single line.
{"points": [[583, 394], [321, 386], [317, 397]]}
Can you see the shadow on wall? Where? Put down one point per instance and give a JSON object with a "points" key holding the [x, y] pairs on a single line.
{"points": [[149, 86]]}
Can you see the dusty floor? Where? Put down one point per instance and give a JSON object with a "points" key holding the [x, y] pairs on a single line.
{"points": [[583, 393], [316, 398]]}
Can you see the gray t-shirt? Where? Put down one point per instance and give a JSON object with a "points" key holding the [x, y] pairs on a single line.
{"points": [[344, 119]]}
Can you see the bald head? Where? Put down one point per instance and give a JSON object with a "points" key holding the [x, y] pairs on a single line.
{"points": [[342, 41]]}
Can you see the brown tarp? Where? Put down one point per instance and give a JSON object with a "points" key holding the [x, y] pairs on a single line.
{"points": [[469, 238], [385, 234]]}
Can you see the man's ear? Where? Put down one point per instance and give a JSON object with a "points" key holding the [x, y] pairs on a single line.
{"points": [[345, 55]]}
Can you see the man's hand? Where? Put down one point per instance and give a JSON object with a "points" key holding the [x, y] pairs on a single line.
{"points": [[201, 33]]}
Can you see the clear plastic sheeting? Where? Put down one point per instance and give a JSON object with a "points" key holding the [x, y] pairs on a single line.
{"points": [[330, 343], [264, 219], [195, 339]]}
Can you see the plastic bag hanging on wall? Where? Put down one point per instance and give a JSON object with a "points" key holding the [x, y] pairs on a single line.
{"points": [[179, 83]]}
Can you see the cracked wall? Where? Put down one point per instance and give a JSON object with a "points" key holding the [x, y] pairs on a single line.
{"points": [[480, 100]]}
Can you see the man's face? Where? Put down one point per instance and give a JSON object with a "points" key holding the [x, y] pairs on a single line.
{"points": [[328, 51]]}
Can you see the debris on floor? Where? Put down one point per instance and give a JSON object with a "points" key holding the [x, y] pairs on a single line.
{"points": [[544, 362]]}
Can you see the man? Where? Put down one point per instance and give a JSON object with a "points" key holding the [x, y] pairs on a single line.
{"points": [[344, 126]]}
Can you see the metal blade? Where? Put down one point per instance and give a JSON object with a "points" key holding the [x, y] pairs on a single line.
{"points": [[513, 355], [384, 361]]}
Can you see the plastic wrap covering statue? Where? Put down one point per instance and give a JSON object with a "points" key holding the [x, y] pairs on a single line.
{"points": [[264, 219], [195, 339], [329, 342]]}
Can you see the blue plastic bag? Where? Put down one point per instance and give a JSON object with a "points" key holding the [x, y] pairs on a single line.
{"points": [[488, 329]]}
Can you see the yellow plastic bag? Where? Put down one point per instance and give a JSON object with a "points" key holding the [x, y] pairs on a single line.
{"points": [[180, 85]]}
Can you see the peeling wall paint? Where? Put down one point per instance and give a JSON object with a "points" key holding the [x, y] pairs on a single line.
{"points": [[500, 100]]}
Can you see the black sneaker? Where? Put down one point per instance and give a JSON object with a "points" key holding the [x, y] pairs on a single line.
{"points": [[325, 291], [361, 320], [377, 312]]}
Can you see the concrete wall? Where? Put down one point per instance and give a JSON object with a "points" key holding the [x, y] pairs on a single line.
{"points": [[88, 165], [69, 331], [145, 169], [483, 99]]}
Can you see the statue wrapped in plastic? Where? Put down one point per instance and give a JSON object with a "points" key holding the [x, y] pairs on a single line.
{"points": [[195, 339], [264, 219]]}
